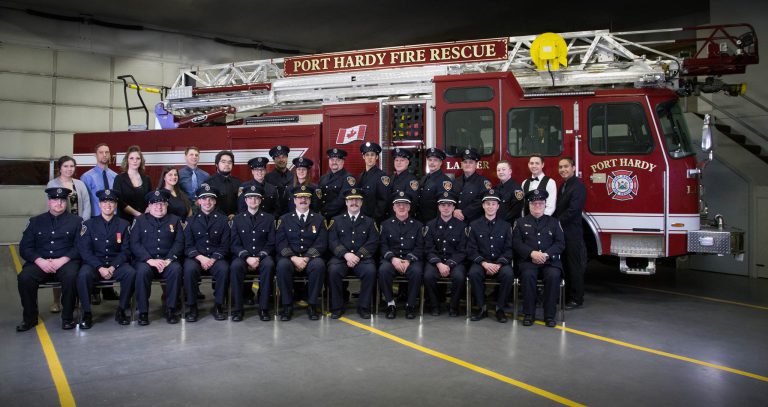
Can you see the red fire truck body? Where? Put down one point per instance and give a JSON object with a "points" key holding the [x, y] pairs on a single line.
{"points": [[630, 144]]}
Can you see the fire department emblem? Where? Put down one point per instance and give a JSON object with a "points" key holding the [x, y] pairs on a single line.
{"points": [[519, 195], [385, 180], [487, 184], [622, 185], [447, 185], [414, 185], [351, 181], [319, 193]]}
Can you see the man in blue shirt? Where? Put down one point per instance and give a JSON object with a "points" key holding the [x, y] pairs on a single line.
{"points": [[191, 177], [99, 177]]}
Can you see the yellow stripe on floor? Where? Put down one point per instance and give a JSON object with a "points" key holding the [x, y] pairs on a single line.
{"points": [[57, 371], [467, 365], [741, 304], [660, 353]]}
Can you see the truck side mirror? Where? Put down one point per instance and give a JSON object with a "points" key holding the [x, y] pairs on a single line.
{"points": [[706, 133]]}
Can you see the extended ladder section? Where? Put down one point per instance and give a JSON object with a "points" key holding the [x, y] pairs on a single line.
{"points": [[669, 58]]}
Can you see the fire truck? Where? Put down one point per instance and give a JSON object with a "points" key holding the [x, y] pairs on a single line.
{"points": [[609, 100]]}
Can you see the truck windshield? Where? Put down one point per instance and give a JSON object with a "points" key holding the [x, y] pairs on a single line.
{"points": [[674, 129]]}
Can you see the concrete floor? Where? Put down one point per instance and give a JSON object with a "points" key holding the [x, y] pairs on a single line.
{"points": [[332, 362]]}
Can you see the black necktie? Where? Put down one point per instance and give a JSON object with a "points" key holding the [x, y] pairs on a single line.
{"points": [[105, 179], [353, 219], [301, 218]]}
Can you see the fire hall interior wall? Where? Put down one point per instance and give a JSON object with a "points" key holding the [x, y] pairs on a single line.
{"points": [[58, 78], [735, 181]]}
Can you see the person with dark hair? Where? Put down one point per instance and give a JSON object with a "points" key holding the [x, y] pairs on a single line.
{"points": [[224, 182], [334, 184], [470, 186], [269, 200], [157, 243], [132, 185], [374, 182], [538, 243], [301, 169], [190, 176], [541, 182], [489, 248], [432, 185], [280, 177], [100, 177], [78, 203], [48, 247], [105, 249], [568, 211], [178, 203]]}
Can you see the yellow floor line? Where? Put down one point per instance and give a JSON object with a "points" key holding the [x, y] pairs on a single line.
{"points": [[660, 353], [742, 304], [467, 365], [57, 371]]}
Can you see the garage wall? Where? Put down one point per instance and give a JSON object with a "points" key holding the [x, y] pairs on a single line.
{"points": [[58, 78]]}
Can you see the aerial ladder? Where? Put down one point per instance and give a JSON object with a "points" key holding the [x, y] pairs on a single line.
{"points": [[563, 62]]}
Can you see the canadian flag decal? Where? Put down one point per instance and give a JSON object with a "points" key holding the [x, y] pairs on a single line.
{"points": [[351, 134]]}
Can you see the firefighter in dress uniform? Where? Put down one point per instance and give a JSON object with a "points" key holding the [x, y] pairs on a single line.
{"points": [[402, 251], [539, 242], [374, 183], [157, 244], [334, 185], [510, 192], [432, 185], [207, 239], [489, 248], [302, 167], [402, 179], [253, 244], [269, 200], [470, 186], [280, 177], [105, 250], [301, 242], [353, 241], [445, 244], [48, 245]]}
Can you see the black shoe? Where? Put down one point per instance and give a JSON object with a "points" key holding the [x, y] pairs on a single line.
{"points": [[391, 312], [312, 312], [237, 316], [25, 326], [550, 322], [87, 321], [453, 312], [109, 294], [171, 317], [264, 315], [192, 314], [501, 316], [218, 312], [121, 318], [477, 316], [287, 313], [143, 319], [95, 298], [337, 314], [68, 324], [573, 305], [364, 313], [435, 311], [527, 320], [410, 312]]}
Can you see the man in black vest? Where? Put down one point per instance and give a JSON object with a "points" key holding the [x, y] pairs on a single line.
{"points": [[570, 204], [538, 242], [540, 181]]}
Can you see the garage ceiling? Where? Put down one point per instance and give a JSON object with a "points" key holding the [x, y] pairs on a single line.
{"points": [[334, 25]]}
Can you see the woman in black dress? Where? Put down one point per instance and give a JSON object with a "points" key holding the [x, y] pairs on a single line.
{"points": [[179, 204], [132, 184]]}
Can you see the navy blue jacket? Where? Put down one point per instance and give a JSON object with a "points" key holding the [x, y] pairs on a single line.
{"points": [[253, 235], [333, 185], [104, 244], [375, 183], [445, 242], [432, 185], [51, 237], [360, 238], [269, 201], [544, 234], [491, 243], [308, 239], [402, 239], [471, 192], [207, 235], [512, 201], [153, 238]]}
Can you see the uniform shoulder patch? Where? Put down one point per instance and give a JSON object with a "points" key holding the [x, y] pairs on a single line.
{"points": [[487, 184], [415, 185], [239, 191], [351, 181], [319, 193], [385, 180], [519, 195], [447, 185], [83, 229]]}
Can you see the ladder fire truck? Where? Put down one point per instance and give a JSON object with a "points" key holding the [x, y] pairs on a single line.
{"points": [[610, 103]]}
